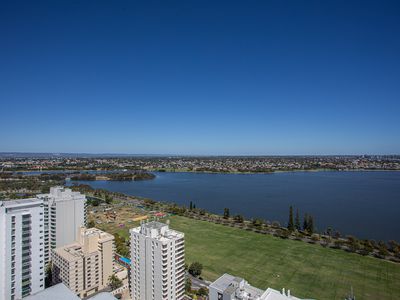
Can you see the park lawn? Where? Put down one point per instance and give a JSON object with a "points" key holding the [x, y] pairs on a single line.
{"points": [[309, 271]]}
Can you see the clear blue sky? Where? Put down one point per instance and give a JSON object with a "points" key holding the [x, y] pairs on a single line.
{"points": [[200, 77]]}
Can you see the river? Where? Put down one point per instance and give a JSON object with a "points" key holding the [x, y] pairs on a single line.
{"points": [[365, 204]]}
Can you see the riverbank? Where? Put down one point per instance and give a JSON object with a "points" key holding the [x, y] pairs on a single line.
{"points": [[61, 170], [269, 172]]}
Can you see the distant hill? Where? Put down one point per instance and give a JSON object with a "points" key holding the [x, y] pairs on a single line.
{"points": [[70, 155]]}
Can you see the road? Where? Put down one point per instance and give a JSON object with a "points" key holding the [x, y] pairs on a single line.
{"points": [[198, 283]]}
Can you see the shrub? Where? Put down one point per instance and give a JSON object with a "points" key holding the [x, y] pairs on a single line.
{"points": [[195, 269]]}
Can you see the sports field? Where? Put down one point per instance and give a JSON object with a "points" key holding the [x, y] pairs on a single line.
{"points": [[309, 271]]}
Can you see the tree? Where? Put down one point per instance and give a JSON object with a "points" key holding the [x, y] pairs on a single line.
{"points": [[393, 245], [108, 199], [188, 285], [257, 223], [114, 282], [310, 222], [367, 247], [382, 248], [290, 225], [238, 218], [94, 202], [48, 280], [195, 268], [329, 231], [202, 291], [297, 220], [120, 245], [91, 224], [226, 213], [305, 222], [353, 243]]}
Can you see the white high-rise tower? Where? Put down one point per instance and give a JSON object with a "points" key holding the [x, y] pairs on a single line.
{"points": [[64, 214], [158, 259], [21, 248]]}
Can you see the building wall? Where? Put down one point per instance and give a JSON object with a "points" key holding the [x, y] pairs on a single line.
{"points": [[70, 272], [155, 271], [107, 253], [69, 217], [92, 270], [3, 272], [65, 212], [22, 248], [95, 251]]}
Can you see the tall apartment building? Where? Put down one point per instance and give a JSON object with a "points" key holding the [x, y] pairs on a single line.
{"points": [[86, 265], [157, 262], [64, 214], [21, 248]]}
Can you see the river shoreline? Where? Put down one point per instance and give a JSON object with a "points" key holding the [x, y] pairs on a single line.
{"points": [[206, 172]]}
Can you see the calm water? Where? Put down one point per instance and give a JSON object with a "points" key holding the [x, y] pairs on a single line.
{"points": [[364, 204]]}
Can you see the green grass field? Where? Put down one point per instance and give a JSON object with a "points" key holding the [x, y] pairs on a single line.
{"points": [[309, 271]]}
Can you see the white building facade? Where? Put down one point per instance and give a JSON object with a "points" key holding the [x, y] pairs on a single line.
{"points": [[22, 270], [65, 213], [157, 262]]}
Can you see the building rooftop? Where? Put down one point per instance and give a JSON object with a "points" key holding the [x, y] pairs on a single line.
{"points": [[103, 296], [87, 244], [60, 193], [103, 236], [271, 294], [158, 231], [70, 252], [237, 287], [56, 292], [20, 202], [240, 289]]}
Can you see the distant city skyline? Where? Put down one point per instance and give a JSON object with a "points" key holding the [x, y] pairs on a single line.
{"points": [[200, 78]]}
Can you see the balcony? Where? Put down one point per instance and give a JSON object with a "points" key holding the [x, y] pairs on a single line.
{"points": [[180, 251], [26, 283], [180, 257], [26, 262], [26, 291], [180, 263], [26, 252], [179, 242], [26, 242]]}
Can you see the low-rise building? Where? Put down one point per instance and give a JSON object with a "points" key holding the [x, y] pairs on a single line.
{"points": [[61, 292], [229, 287], [86, 265], [55, 292]]}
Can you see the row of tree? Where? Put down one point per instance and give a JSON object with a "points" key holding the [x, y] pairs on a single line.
{"points": [[294, 223], [192, 206]]}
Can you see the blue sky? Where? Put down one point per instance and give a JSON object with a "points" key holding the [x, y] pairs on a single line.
{"points": [[200, 77]]}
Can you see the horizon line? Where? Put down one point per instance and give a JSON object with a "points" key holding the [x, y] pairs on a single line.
{"points": [[22, 153]]}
